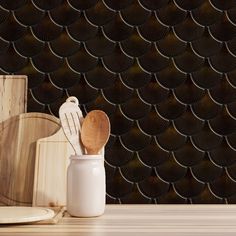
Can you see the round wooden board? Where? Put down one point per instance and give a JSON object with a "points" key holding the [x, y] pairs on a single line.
{"points": [[16, 215], [18, 136]]}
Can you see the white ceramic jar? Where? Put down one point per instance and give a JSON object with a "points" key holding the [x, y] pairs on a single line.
{"points": [[86, 188]]}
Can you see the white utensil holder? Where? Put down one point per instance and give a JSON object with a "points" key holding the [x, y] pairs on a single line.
{"points": [[86, 186]]}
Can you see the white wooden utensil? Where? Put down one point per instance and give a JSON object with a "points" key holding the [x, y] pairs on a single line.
{"points": [[71, 119]]}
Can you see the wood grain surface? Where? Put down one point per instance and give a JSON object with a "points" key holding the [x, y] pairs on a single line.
{"points": [[18, 136], [52, 160], [13, 95], [154, 220]]}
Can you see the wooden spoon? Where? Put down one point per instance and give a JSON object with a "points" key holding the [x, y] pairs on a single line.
{"points": [[95, 131]]}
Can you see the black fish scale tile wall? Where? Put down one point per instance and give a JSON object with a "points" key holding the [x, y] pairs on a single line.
{"points": [[163, 70]]}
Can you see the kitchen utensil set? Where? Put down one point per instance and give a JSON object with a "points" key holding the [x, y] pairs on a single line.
{"points": [[86, 135]]}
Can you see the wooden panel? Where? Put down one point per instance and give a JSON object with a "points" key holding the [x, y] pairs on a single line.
{"points": [[18, 136], [13, 95], [52, 159]]}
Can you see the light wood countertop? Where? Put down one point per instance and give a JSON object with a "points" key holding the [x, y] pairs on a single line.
{"points": [[140, 220]]}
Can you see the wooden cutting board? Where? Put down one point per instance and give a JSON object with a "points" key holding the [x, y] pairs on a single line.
{"points": [[13, 95], [51, 162], [18, 136]]}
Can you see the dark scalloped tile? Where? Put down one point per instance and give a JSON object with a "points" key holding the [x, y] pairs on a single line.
{"points": [[82, 61], [117, 61], [33, 105], [171, 14], [188, 186], [171, 45], [10, 29], [28, 45], [188, 92], [171, 139], [152, 155], [12, 5], [206, 71], [223, 5], [118, 5], [99, 45], [46, 61], [46, 5], [63, 14], [153, 5], [135, 14], [188, 124], [135, 45], [206, 14], [11, 61], [64, 77], [170, 171], [152, 123], [171, 108], [135, 77], [223, 61], [3, 14], [35, 77], [224, 186], [171, 197], [206, 108], [231, 108], [99, 77], [189, 5], [135, 171], [83, 91], [153, 92], [171, 77], [153, 61], [223, 124], [135, 108], [64, 45], [231, 14], [136, 197], [116, 154], [100, 14], [100, 103], [153, 186], [82, 5], [135, 140], [117, 29], [231, 45], [206, 171], [206, 46], [153, 30], [46, 29], [207, 197], [188, 155], [29, 14], [188, 30], [82, 30], [119, 123], [46, 93], [206, 140], [223, 30], [118, 93], [118, 186], [224, 150], [223, 92], [188, 61]]}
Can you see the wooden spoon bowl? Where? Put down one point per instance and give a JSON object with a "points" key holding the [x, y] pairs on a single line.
{"points": [[95, 131]]}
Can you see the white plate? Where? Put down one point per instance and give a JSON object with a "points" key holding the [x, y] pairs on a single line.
{"points": [[13, 215]]}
